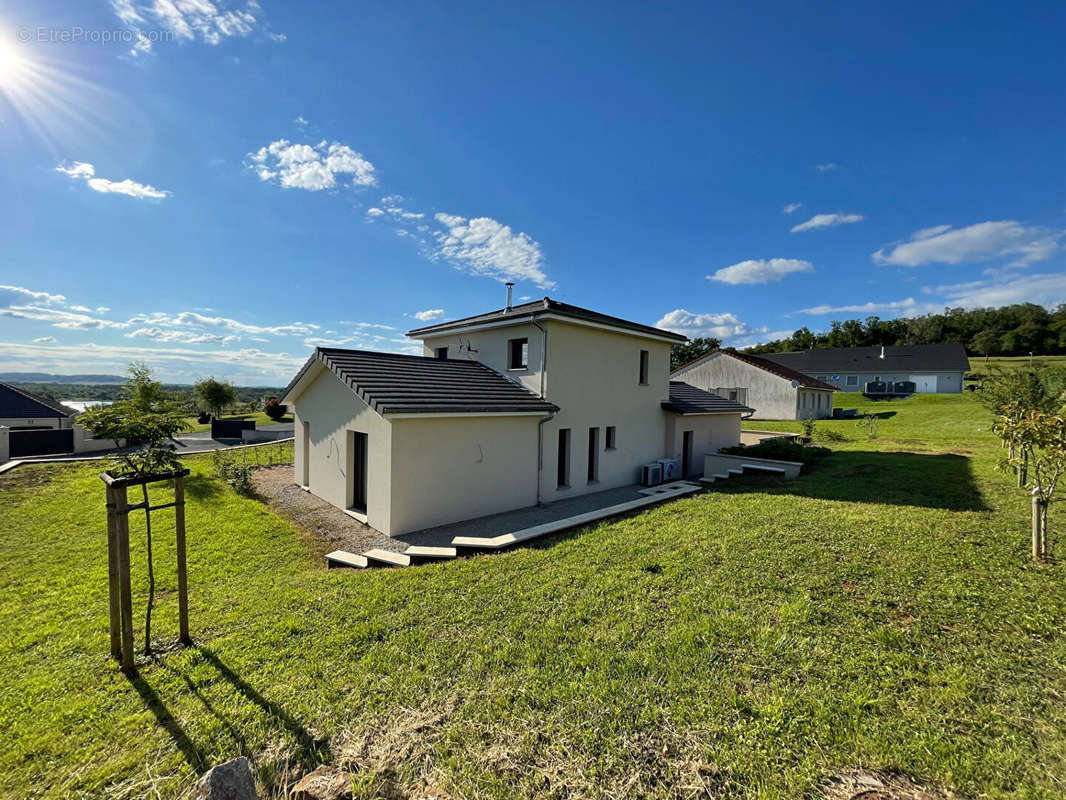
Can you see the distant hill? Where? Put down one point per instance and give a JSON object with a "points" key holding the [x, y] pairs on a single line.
{"points": [[46, 377]]}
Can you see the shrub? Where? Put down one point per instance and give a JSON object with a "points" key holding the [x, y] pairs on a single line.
{"points": [[868, 423], [236, 473], [781, 450], [808, 429], [273, 409]]}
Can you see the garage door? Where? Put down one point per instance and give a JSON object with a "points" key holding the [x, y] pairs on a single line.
{"points": [[924, 383]]}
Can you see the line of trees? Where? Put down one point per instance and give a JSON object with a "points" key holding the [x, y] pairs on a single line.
{"points": [[1015, 330]]}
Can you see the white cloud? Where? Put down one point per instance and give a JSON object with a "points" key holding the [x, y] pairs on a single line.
{"points": [[69, 320], [192, 319], [248, 366], [45, 340], [908, 306], [10, 295], [184, 337], [984, 241], [313, 168], [1048, 289], [827, 221], [486, 247], [761, 270], [726, 327], [208, 21], [82, 309], [829, 166], [791, 207], [301, 121], [429, 314], [81, 170], [102, 309]]}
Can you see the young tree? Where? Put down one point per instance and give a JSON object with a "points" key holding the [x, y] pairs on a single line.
{"points": [[1040, 446], [214, 395], [148, 421], [681, 354], [273, 409]]}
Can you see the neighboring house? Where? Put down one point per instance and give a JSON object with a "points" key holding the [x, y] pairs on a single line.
{"points": [[931, 367], [524, 405], [774, 391], [21, 410]]}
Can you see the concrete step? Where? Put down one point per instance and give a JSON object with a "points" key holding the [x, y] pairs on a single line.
{"points": [[389, 557], [736, 471], [424, 551], [763, 467], [342, 558]]}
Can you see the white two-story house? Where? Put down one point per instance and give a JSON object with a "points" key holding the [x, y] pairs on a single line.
{"points": [[524, 405]]}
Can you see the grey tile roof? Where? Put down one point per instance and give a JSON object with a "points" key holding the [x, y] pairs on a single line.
{"points": [[782, 371], [399, 384], [542, 307], [15, 402], [898, 358], [687, 399]]}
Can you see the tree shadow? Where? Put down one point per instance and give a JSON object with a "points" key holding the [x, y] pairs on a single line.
{"points": [[201, 487], [194, 756], [312, 750], [926, 480]]}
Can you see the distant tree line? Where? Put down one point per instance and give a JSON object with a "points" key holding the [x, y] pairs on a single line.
{"points": [[1015, 330], [183, 395]]}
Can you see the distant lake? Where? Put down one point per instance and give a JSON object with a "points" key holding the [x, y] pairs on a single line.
{"points": [[84, 405]]}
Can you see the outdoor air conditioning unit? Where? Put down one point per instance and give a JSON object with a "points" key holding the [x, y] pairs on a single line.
{"points": [[651, 474], [671, 470]]}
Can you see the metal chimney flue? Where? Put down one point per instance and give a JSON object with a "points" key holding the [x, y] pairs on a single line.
{"points": [[882, 352], [510, 292]]}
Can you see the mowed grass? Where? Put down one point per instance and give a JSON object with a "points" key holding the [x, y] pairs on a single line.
{"points": [[748, 642], [984, 364]]}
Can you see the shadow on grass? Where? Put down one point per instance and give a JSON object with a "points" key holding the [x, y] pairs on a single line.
{"points": [[201, 487], [193, 755], [311, 751], [926, 480]]}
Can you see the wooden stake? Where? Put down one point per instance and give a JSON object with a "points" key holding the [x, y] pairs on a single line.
{"points": [[1038, 529], [114, 604], [183, 583], [122, 519]]}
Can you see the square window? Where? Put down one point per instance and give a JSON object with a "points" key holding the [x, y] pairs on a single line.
{"points": [[442, 352], [518, 353], [851, 380]]}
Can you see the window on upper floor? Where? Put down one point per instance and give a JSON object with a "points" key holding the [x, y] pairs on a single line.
{"points": [[518, 353], [442, 352], [644, 355], [608, 439]]}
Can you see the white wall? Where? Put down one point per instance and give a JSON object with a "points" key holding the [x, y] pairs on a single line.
{"points": [[710, 433], [490, 348], [593, 378], [331, 410], [448, 469]]}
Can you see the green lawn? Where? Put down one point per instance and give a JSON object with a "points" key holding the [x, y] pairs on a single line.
{"points": [[259, 417], [983, 365], [747, 642]]}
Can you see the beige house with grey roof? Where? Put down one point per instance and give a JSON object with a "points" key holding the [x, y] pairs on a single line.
{"points": [[524, 405]]}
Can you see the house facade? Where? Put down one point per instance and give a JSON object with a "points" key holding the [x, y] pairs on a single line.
{"points": [[23, 410], [933, 368], [774, 391], [524, 405]]}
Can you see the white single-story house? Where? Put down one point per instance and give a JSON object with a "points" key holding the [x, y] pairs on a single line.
{"points": [[524, 405], [774, 391], [930, 367], [23, 410]]}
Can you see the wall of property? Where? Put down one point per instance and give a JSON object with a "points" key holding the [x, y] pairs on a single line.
{"points": [[593, 376], [946, 382], [490, 347], [331, 410], [771, 396], [449, 469], [814, 404], [36, 422], [710, 433]]}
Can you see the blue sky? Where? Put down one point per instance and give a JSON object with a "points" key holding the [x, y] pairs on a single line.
{"points": [[216, 187]]}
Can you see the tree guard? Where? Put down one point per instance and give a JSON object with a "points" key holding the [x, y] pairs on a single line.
{"points": [[118, 557]]}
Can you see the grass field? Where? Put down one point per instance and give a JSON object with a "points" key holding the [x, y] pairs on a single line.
{"points": [[259, 417], [751, 641], [984, 365]]}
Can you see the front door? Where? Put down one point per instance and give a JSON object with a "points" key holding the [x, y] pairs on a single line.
{"points": [[359, 469], [686, 454]]}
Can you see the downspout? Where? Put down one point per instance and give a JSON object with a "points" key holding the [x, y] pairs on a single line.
{"points": [[551, 416]]}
